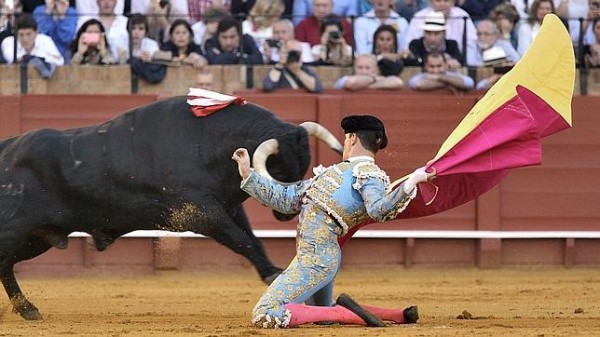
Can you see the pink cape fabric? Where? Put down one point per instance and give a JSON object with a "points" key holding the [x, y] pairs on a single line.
{"points": [[508, 138]]}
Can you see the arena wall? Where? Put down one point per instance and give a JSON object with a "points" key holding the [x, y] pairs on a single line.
{"points": [[561, 195]]}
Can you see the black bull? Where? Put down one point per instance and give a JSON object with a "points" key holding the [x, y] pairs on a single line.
{"points": [[154, 167]]}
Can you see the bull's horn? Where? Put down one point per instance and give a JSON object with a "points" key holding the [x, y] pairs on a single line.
{"points": [[319, 131], [263, 151]]}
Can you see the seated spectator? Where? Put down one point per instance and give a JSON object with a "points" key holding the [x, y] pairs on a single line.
{"points": [[434, 39], [6, 24], [436, 75], [283, 37], [32, 48], [262, 15], [333, 50], [591, 54], [90, 45], [290, 72], [143, 49], [342, 8], [207, 27], [494, 57], [506, 18], [590, 11], [59, 21], [181, 45], [523, 7], [204, 80], [367, 76], [179, 8], [231, 47], [91, 7], [385, 47], [115, 27], [310, 28], [488, 37], [529, 29], [455, 25], [366, 25], [240, 9], [161, 15]]}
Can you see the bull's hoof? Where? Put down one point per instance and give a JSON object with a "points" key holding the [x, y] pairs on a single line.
{"points": [[27, 310], [269, 279]]}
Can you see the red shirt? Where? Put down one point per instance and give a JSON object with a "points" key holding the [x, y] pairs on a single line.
{"points": [[308, 31]]}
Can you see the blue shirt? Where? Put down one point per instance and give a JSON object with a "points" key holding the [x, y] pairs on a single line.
{"points": [[61, 31]]}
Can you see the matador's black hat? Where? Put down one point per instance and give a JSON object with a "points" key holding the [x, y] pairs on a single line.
{"points": [[355, 123]]}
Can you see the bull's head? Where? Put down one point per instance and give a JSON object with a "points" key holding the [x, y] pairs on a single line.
{"points": [[279, 162]]}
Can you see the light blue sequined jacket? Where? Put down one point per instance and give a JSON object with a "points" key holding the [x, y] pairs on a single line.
{"points": [[349, 192]]}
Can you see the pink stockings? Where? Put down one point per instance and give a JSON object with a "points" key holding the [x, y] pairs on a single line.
{"points": [[302, 314]]}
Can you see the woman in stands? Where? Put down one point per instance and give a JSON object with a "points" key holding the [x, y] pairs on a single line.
{"points": [[90, 45], [385, 47], [530, 28], [262, 16], [182, 46]]}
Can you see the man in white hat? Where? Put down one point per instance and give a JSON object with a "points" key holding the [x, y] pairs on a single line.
{"points": [[456, 26], [434, 39]]}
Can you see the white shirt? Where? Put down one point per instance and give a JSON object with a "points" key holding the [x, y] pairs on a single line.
{"points": [[526, 35], [305, 57], [366, 25], [148, 45], [177, 6], [43, 47], [90, 7]]}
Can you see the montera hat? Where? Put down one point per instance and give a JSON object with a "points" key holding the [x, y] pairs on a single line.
{"points": [[434, 22], [355, 123]]}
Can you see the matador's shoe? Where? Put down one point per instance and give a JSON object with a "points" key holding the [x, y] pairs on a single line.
{"points": [[347, 302], [411, 314]]}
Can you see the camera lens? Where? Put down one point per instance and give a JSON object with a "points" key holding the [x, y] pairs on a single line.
{"points": [[334, 35]]}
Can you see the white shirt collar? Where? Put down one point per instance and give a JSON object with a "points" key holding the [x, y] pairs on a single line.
{"points": [[351, 159]]}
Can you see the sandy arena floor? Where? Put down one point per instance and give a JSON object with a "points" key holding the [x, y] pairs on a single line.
{"points": [[521, 302]]}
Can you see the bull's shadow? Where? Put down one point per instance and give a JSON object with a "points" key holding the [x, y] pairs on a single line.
{"points": [[154, 167]]}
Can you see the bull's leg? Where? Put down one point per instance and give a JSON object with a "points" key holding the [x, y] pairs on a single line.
{"points": [[211, 219], [30, 249], [267, 268]]}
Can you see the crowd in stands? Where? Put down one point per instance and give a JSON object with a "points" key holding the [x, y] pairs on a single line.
{"points": [[378, 38]]}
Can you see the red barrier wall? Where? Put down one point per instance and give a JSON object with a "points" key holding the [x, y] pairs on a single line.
{"points": [[561, 194]]}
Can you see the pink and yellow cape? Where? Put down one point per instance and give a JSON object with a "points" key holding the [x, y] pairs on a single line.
{"points": [[503, 130]]}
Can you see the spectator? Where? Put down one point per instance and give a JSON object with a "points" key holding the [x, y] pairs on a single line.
{"points": [[283, 37], [204, 80], [262, 15], [494, 57], [408, 8], [28, 6], [366, 25], [507, 19], [434, 39], [91, 7], [290, 72], [592, 12], [310, 29], [207, 27], [385, 48], [524, 6], [161, 15], [455, 25], [333, 50], [144, 49], [591, 52], [90, 45], [488, 37], [478, 9], [59, 21], [6, 24], [530, 28], [437, 76], [231, 47], [32, 48], [115, 26], [179, 8], [181, 45], [367, 76], [342, 8]]}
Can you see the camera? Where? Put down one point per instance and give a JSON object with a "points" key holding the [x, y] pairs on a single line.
{"points": [[163, 3], [293, 56], [502, 70], [334, 36], [274, 43]]}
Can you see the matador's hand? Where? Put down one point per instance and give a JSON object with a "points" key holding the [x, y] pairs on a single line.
{"points": [[242, 158]]}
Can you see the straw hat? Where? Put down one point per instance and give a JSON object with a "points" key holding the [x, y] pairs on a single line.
{"points": [[434, 22], [493, 56]]}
